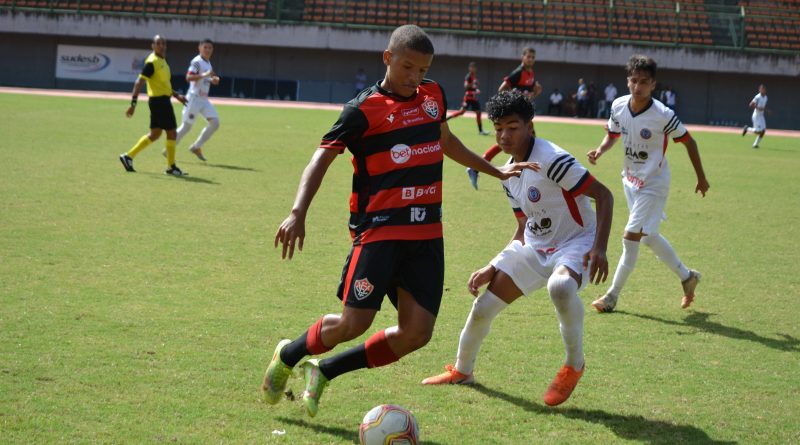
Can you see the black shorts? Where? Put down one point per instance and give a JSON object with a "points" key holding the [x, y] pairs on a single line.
{"points": [[472, 105], [161, 114], [374, 270]]}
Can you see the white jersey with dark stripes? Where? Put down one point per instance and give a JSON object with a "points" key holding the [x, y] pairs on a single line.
{"points": [[552, 199], [645, 138], [199, 87]]}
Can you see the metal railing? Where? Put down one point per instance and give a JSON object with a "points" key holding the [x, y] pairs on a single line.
{"points": [[693, 23]]}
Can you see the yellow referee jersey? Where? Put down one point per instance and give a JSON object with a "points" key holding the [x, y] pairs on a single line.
{"points": [[156, 73]]}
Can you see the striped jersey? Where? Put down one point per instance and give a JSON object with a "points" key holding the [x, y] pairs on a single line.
{"points": [[199, 87], [552, 199], [397, 162], [471, 90], [156, 73], [522, 80], [644, 135]]}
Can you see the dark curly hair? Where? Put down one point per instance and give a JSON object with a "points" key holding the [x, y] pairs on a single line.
{"points": [[506, 103], [641, 63]]}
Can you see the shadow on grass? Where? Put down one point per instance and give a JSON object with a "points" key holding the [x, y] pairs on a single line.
{"points": [[638, 428], [187, 178], [232, 167], [350, 435], [700, 320]]}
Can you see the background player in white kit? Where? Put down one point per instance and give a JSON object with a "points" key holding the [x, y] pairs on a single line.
{"points": [[559, 243], [200, 77], [759, 106], [644, 124]]}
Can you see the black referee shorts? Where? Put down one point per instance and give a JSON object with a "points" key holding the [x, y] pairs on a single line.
{"points": [[161, 114]]}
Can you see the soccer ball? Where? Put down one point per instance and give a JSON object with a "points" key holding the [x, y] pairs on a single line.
{"points": [[388, 425]]}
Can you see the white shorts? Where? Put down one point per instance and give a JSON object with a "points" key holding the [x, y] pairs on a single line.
{"points": [[530, 269], [198, 105], [646, 211], [759, 124]]}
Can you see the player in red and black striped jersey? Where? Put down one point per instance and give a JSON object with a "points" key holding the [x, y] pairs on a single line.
{"points": [[470, 101], [522, 79], [397, 134]]}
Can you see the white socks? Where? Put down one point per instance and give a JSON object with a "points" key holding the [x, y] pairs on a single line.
{"points": [[758, 139], [630, 253], [205, 135], [664, 251], [479, 321], [563, 291]]}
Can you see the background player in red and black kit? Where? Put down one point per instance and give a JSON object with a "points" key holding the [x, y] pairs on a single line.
{"points": [[398, 136], [471, 102], [522, 79]]}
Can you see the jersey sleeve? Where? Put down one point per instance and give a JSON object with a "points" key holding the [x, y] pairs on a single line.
{"points": [[568, 173], [443, 117], [514, 77], [194, 67], [613, 127], [346, 131], [675, 128], [148, 70], [515, 206]]}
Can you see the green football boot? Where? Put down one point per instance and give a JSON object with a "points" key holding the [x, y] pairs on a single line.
{"points": [[276, 376], [315, 384]]}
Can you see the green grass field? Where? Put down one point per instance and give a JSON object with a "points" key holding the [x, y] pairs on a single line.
{"points": [[142, 308]]}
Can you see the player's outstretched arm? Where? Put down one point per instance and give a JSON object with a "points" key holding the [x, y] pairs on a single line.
{"points": [[293, 229], [604, 206], [604, 146], [137, 86], [455, 150], [694, 155]]}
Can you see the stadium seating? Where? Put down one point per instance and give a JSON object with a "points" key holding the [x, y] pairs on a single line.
{"points": [[772, 24], [768, 25]]}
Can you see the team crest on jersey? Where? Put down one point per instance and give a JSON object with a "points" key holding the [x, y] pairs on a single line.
{"points": [[363, 288], [534, 195], [645, 133], [431, 108]]}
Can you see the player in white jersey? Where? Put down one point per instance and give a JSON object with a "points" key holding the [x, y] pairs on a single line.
{"points": [[200, 77], [645, 124], [558, 244], [759, 106]]}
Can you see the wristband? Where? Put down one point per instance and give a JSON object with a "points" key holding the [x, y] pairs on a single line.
{"points": [[134, 99]]}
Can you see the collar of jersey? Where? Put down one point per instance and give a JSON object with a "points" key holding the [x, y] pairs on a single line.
{"points": [[649, 104], [388, 93]]}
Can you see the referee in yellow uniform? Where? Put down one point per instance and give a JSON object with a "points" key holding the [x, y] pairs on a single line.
{"points": [[159, 90]]}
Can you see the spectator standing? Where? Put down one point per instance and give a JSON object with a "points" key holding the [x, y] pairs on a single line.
{"points": [[610, 95], [581, 97], [360, 81], [555, 102]]}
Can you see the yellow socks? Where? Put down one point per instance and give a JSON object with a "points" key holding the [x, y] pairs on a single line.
{"points": [[141, 145], [170, 152]]}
